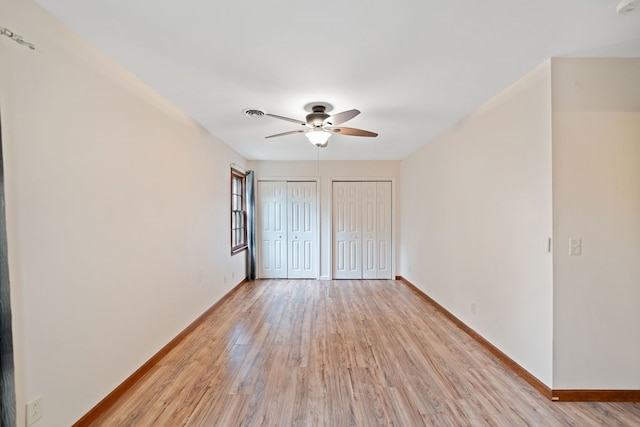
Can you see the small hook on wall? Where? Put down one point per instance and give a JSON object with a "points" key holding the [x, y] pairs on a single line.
{"points": [[16, 38]]}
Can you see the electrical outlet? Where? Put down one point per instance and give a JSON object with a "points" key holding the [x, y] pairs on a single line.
{"points": [[473, 308], [34, 410]]}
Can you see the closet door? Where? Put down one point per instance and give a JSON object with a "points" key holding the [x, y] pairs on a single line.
{"points": [[383, 224], [301, 230], [369, 231], [347, 230], [362, 230], [272, 226]]}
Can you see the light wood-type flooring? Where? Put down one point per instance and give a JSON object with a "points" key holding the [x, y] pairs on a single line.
{"points": [[340, 353]]}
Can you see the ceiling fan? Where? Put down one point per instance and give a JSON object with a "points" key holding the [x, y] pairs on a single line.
{"points": [[320, 125]]}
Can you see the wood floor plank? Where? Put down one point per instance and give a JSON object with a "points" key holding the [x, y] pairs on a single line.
{"points": [[340, 353]]}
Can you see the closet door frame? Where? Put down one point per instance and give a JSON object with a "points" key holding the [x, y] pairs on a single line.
{"points": [[394, 219], [318, 214]]}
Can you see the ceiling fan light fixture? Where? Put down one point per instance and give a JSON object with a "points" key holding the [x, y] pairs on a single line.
{"points": [[318, 137]]}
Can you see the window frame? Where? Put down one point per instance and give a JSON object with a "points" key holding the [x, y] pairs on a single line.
{"points": [[238, 211]]}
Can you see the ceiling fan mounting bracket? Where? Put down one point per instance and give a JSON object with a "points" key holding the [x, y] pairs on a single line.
{"points": [[309, 108]]}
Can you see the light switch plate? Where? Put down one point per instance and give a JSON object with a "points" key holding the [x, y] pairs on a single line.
{"points": [[575, 246]]}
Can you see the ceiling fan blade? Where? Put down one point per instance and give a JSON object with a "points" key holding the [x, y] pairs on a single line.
{"points": [[351, 131], [287, 119], [338, 119], [286, 133]]}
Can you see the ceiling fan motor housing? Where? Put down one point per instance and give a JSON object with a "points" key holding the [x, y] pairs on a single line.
{"points": [[317, 118]]}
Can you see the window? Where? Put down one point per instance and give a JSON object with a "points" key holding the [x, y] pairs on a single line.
{"points": [[238, 211]]}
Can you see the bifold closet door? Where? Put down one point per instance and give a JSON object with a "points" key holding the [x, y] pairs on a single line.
{"points": [[301, 230], [347, 230], [362, 230], [376, 230], [272, 226], [287, 230]]}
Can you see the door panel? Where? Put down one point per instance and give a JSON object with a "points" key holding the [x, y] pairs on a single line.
{"points": [[302, 236], [383, 230], [347, 231], [272, 225], [370, 226]]}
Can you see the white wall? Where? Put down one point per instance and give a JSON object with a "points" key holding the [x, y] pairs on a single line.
{"points": [[596, 197], [117, 212], [325, 172], [476, 213]]}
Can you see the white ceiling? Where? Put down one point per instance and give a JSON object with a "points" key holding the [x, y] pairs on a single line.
{"points": [[413, 67]]}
